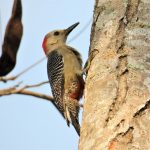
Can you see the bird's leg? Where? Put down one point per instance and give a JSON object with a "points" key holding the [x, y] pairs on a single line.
{"points": [[88, 62]]}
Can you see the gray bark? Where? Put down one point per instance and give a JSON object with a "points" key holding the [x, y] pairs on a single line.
{"points": [[116, 113]]}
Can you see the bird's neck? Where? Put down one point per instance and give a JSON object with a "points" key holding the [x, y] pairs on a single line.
{"points": [[51, 47]]}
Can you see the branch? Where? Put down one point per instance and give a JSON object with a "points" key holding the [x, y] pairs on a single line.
{"points": [[5, 79], [35, 94], [30, 67], [34, 85], [11, 78], [14, 90], [23, 91]]}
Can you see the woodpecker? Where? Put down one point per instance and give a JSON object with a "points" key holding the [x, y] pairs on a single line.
{"points": [[64, 69]]}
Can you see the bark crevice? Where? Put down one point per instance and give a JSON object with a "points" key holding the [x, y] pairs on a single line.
{"points": [[143, 109], [122, 69]]}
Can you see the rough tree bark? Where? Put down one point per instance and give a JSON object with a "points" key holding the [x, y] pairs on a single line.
{"points": [[116, 113]]}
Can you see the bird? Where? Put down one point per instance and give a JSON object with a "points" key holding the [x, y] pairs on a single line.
{"points": [[65, 74]]}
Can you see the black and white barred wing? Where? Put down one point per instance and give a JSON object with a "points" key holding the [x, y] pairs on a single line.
{"points": [[55, 67]]}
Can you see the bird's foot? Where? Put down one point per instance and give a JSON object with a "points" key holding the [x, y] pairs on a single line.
{"points": [[88, 62]]}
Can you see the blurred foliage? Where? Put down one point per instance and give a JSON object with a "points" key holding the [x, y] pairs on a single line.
{"points": [[12, 39]]}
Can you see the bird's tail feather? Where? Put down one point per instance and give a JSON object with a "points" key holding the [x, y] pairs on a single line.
{"points": [[76, 124]]}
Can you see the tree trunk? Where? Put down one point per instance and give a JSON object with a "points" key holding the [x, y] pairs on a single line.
{"points": [[116, 112]]}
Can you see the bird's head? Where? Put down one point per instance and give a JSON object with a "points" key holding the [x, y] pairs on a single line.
{"points": [[56, 38]]}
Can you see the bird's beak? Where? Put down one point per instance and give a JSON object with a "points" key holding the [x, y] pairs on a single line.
{"points": [[68, 30]]}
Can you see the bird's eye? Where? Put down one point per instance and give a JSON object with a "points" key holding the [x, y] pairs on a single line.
{"points": [[56, 33]]}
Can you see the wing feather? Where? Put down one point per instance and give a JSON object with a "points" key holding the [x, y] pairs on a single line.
{"points": [[55, 67]]}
